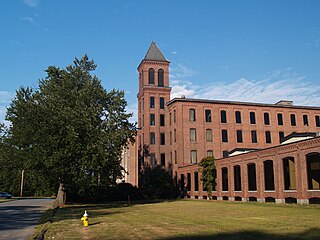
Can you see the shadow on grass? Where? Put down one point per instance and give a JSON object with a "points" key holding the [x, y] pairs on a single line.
{"points": [[311, 234]]}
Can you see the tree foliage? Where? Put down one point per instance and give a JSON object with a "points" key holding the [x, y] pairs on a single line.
{"points": [[208, 174], [70, 131]]}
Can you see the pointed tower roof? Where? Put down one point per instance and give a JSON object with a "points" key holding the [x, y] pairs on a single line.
{"points": [[154, 54]]}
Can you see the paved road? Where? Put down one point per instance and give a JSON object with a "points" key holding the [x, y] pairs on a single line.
{"points": [[19, 218]]}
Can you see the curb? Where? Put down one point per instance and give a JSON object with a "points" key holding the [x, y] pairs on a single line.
{"points": [[40, 236]]}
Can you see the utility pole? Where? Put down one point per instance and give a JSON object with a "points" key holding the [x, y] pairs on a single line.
{"points": [[22, 179]]}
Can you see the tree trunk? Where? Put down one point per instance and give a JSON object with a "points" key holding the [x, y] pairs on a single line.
{"points": [[61, 196]]}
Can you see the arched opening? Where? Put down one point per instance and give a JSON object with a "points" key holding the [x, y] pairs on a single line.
{"points": [[237, 177], [268, 175], [151, 76], [188, 181], [289, 174], [252, 199], [252, 179], [314, 201], [160, 78], [196, 197], [224, 179], [214, 198], [225, 198], [238, 199], [290, 200], [204, 197], [313, 169], [270, 199]]}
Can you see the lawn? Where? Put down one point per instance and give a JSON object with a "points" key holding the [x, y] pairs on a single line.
{"points": [[187, 219]]}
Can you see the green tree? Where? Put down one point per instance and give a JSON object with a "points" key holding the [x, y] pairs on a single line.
{"points": [[71, 129], [208, 174]]}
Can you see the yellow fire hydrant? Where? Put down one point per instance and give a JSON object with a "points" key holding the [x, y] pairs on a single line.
{"points": [[85, 219]]}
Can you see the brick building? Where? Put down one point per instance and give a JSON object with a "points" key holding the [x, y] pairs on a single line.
{"points": [[182, 131]]}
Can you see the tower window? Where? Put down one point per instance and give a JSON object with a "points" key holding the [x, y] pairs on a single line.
{"points": [[280, 119], [238, 117], [192, 115], [266, 118], [152, 120], [162, 139], [151, 102], [252, 118], [152, 138], [151, 76], [223, 115], [208, 115], [293, 119], [162, 120], [160, 78], [161, 103]]}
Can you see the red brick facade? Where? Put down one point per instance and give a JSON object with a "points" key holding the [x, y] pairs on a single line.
{"points": [[184, 131]]}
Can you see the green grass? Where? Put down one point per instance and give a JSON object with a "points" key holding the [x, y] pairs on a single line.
{"points": [[188, 220]]}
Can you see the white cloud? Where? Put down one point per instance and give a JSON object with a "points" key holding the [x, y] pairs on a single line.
{"points": [[133, 108], [32, 3], [181, 71], [279, 85], [5, 100], [174, 52], [31, 20]]}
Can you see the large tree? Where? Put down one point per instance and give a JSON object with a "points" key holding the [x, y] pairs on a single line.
{"points": [[70, 129], [208, 174]]}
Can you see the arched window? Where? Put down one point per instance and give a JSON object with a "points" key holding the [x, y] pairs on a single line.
{"points": [[313, 169], [289, 173], [160, 78], [252, 179], [151, 76], [268, 175]]}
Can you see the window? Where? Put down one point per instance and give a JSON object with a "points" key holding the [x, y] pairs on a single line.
{"points": [[161, 103], [170, 116], [151, 76], [151, 102], [193, 156], [223, 115], [192, 115], [224, 175], [209, 153], [239, 136], [175, 157], [170, 138], [174, 135], [254, 138], [209, 135], [196, 181], [225, 154], [281, 136], [305, 120], [152, 120], [162, 139], [163, 159], [317, 121], [153, 160], [188, 181], [193, 135], [293, 119], [161, 119], [252, 179], [238, 117], [268, 137], [224, 134], [208, 115], [280, 119], [174, 116], [237, 177], [152, 138], [252, 118], [160, 78], [266, 119]]}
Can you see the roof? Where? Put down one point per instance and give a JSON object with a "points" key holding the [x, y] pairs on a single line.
{"points": [[237, 103], [154, 53]]}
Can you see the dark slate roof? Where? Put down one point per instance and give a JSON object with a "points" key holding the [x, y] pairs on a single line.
{"points": [[154, 53], [183, 99]]}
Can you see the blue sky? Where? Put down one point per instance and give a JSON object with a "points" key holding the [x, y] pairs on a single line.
{"points": [[256, 50]]}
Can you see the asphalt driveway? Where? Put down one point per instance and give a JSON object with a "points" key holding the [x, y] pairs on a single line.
{"points": [[19, 218]]}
